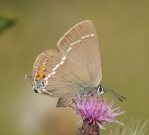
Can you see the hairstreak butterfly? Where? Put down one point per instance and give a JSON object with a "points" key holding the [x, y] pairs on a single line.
{"points": [[75, 67]]}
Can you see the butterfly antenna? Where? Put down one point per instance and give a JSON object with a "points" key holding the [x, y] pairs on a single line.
{"points": [[28, 77], [119, 97]]}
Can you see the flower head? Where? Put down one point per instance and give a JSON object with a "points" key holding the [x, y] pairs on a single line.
{"points": [[96, 111]]}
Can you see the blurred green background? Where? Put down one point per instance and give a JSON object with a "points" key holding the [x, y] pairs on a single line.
{"points": [[123, 30]]}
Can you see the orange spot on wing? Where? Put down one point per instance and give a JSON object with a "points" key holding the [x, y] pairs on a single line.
{"points": [[41, 72]]}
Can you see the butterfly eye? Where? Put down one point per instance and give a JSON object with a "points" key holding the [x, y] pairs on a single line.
{"points": [[100, 89]]}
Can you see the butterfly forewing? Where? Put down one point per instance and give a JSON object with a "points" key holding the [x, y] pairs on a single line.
{"points": [[80, 44]]}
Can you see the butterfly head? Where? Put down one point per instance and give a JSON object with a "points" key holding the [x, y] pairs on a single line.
{"points": [[37, 84], [100, 90]]}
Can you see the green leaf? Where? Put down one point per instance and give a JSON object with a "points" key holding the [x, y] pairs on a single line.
{"points": [[5, 23]]}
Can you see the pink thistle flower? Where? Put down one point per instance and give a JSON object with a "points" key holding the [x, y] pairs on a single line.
{"points": [[96, 111]]}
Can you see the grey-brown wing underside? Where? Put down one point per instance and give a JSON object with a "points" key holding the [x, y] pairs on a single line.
{"points": [[76, 64], [80, 44], [63, 76]]}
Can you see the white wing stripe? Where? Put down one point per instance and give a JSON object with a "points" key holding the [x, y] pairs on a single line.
{"points": [[92, 35], [88, 36], [68, 50], [83, 37], [63, 58], [55, 67], [78, 41], [52, 73]]}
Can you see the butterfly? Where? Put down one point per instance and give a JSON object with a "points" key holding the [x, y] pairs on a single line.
{"points": [[74, 68]]}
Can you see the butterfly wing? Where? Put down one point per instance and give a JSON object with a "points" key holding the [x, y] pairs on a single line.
{"points": [[80, 44], [75, 65], [62, 75]]}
